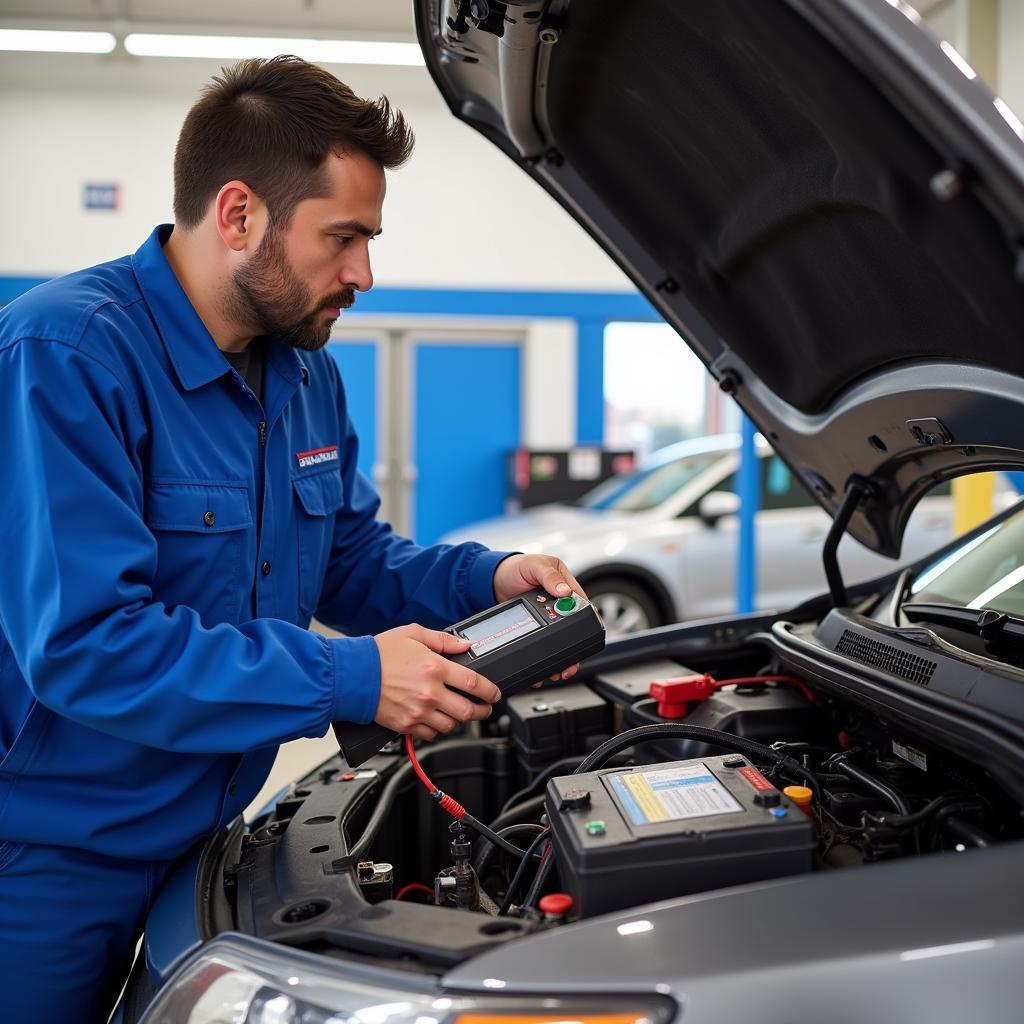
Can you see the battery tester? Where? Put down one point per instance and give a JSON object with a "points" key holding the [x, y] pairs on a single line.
{"points": [[515, 644]]}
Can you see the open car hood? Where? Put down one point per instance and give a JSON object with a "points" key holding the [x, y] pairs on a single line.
{"points": [[816, 194]]}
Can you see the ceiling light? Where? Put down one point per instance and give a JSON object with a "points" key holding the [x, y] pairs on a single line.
{"points": [[46, 41], [323, 51]]}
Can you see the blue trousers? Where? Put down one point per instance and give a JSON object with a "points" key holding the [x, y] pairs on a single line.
{"points": [[69, 924]]}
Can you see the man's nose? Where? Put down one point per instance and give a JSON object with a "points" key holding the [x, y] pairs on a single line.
{"points": [[356, 273]]}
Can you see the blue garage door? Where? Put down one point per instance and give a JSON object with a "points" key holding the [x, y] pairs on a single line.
{"points": [[358, 362], [466, 423]]}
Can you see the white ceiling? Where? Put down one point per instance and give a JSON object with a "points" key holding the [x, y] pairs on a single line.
{"points": [[364, 18]]}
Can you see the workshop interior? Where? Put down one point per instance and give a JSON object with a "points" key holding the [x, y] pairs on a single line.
{"points": [[720, 304]]}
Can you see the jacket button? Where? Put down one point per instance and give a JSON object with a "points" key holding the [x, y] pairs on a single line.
{"points": [[265, 568], [209, 518]]}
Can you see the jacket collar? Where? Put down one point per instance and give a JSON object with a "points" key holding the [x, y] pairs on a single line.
{"points": [[190, 347]]}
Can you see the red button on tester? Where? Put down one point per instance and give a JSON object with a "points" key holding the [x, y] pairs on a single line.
{"points": [[673, 695], [556, 904]]}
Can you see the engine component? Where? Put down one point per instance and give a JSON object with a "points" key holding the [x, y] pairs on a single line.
{"points": [[375, 880], [761, 713], [657, 831], [548, 726]]}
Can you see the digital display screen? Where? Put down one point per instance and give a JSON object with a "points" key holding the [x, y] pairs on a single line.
{"points": [[494, 632]]}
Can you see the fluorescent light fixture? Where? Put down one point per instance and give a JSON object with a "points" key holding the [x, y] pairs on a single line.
{"points": [[322, 51], [1009, 116], [957, 58], [906, 10], [32, 40]]}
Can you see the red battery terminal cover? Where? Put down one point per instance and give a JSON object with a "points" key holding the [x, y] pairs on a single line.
{"points": [[674, 695]]}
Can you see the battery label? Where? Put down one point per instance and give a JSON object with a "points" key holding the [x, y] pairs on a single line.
{"points": [[672, 794]]}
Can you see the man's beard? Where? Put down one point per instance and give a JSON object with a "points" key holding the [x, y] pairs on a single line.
{"points": [[267, 293]]}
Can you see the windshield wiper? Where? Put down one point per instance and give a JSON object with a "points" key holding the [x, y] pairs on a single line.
{"points": [[1000, 631]]}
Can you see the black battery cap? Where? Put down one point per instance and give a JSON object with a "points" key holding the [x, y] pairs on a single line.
{"points": [[768, 798], [575, 800], [735, 761]]}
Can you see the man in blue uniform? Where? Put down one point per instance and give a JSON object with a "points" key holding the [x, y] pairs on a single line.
{"points": [[180, 498]]}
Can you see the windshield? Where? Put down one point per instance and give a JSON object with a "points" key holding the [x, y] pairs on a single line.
{"points": [[647, 488], [986, 572]]}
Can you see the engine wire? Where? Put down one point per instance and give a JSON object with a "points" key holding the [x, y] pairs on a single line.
{"points": [[453, 807]]}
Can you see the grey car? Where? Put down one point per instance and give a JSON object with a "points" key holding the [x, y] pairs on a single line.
{"points": [[797, 818], [659, 544]]}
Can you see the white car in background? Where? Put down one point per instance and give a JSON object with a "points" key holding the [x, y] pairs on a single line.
{"points": [[659, 544]]}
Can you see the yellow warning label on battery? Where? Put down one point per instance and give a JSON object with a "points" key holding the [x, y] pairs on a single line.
{"points": [[640, 789]]}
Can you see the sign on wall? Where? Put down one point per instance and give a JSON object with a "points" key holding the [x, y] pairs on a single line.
{"points": [[101, 195]]}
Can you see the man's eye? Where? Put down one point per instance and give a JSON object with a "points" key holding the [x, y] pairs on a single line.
{"points": [[343, 240]]}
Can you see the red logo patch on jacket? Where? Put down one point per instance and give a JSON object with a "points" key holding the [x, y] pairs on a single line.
{"points": [[317, 455]]}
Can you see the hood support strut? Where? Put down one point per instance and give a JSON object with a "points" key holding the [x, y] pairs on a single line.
{"points": [[856, 488]]}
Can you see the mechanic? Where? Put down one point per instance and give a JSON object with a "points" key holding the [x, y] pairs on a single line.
{"points": [[181, 497]]}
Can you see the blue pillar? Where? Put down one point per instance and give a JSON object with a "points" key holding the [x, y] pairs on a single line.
{"points": [[748, 487], [590, 381], [1017, 479]]}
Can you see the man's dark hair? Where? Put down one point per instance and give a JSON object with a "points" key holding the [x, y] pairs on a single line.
{"points": [[272, 123]]}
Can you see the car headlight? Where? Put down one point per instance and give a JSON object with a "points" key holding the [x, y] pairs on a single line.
{"points": [[237, 980]]}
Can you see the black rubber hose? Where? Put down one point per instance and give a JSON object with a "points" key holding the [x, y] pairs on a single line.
{"points": [[490, 835], [566, 765], [516, 815], [520, 871], [484, 856], [680, 730], [384, 804], [855, 772], [563, 767], [917, 817], [533, 893]]}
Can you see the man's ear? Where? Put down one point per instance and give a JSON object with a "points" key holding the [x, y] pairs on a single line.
{"points": [[239, 215]]}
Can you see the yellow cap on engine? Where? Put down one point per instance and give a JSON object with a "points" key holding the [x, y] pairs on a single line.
{"points": [[800, 795]]}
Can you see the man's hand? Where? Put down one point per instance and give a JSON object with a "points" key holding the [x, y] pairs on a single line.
{"points": [[413, 694], [520, 573]]}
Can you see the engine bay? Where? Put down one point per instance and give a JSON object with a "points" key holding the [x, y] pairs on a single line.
{"points": [[673, 765]]}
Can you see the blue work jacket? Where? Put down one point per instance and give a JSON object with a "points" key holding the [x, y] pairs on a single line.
{"points": [[154, 648]]}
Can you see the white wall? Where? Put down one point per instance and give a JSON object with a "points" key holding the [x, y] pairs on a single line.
{"points": [[964, 24], [1011, 53], [460, 214]]}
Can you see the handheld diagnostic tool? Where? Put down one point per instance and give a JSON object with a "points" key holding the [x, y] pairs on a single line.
{"points": [[514, 644]]}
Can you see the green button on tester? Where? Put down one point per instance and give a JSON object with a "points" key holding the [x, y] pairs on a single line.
{"points": [[564, 605]]}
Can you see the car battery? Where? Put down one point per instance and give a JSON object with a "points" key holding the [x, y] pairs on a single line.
{"points": [[627, 836], [555, 723]]}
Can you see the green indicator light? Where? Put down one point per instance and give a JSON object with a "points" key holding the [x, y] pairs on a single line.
{"points": [[595, 828], [564, 605]]}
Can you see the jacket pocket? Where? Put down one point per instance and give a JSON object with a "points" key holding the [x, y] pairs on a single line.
{"points": [[196, 506], [200, 529], [319, 496]]}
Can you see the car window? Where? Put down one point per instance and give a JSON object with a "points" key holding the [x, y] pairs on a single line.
{"points": [[780, 487], [986, 572], [647, 488]]}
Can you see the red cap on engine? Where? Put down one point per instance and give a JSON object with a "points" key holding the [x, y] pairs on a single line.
{"points": [[673, 695], [555, 904]]}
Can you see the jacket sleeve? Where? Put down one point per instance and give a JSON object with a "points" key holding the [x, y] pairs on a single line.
{"points": [[76, 603], [376, 580]]}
